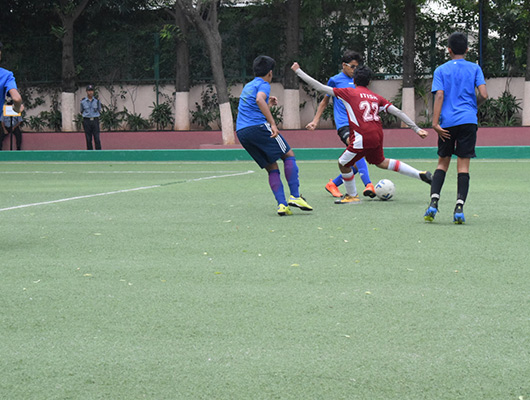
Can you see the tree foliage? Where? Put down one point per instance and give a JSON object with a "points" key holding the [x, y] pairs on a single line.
{"points": [[115, 40]]}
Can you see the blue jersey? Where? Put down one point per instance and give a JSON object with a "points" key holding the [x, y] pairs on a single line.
{"points": [[249, 113], [7, 82], [340, 115], [458, 80]]}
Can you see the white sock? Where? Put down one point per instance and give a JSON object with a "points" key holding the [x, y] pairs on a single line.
{"points": [[403, 168], [349, 183]]}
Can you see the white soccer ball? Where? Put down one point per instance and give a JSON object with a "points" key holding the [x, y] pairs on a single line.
{"points": [[385, 189]]}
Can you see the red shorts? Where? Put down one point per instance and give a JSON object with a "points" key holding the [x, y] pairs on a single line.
{"points": [[351, 156]]}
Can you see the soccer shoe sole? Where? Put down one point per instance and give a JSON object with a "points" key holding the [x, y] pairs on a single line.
{"points": [[356, 201], [369, 193], [426, 177], [303, 207]]}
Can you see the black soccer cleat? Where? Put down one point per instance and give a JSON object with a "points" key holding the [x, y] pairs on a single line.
{"points": [[426, 177]]}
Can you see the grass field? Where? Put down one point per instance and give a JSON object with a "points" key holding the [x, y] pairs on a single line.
{"points": [[179, 281]]}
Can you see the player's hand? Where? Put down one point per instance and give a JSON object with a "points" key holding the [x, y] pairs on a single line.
{"points": [[423, 133], [295, 66], [19, 110], [275, 131], [442, 133], [311, 126], [273, 101]]}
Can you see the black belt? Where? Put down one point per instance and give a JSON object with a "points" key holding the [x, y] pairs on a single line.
{"points": [[91, 119]]}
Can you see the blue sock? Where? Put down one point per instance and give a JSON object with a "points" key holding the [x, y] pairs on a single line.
{"points": [[363, 171], [276, 186], [338, 180], [291, 174]]}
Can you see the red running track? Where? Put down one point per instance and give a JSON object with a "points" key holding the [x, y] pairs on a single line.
{"points": [[513, 136]]}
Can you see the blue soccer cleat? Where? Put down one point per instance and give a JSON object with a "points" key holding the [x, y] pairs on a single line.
{"points": [[458, 217], [430, 214]]}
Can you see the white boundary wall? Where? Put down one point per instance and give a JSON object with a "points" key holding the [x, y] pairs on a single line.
{"points": [[140, 98]]}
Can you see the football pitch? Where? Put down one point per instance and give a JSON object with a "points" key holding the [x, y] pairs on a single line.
{"points": [[178, 280]]}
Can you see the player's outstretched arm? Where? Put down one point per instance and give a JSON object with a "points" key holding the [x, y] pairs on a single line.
{"points": [[311, 81], [320, 110], [405, 118]]}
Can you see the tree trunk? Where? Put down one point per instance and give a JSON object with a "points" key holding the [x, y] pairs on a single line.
{"points": [[68, 64], [68, 18], [526, 96], [182, 74], [291, 106], [408, 97], [68, 78], [204, 16]]}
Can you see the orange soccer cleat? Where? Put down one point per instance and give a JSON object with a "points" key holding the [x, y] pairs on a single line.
{"points": [[333, 189]]}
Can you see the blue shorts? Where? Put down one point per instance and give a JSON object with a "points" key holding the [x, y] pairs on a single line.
{"points": [[262, 148]]}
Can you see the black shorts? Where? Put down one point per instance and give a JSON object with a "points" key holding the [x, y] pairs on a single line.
{"points": [[462, 142], [344, 134]]}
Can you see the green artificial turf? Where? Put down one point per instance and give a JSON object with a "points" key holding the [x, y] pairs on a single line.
{"points": [[191, 287]]}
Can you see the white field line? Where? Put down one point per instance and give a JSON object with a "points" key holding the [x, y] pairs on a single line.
{"points": [[112, 172], [121, 191]]}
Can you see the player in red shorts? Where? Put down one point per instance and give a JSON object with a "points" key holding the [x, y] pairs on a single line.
{"points": [[366, 131]]}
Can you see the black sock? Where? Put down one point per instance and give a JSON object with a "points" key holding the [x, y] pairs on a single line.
{"points": [[463, 187], [438, 179], [434, 202]]}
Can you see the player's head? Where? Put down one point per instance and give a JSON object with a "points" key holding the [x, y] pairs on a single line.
{"points": [[262, 65], [350, 55], [350, 61], [1, 45], [457, 43], [362, 76]]}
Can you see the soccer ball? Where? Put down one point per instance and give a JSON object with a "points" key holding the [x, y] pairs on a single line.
{"points": [[385, 189]]}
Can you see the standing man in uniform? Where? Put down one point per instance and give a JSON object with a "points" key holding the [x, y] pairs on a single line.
{"points": [[91, 110]]}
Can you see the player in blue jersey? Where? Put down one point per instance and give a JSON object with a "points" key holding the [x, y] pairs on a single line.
{"points": [[8, 87], [350, 61], [258, 134], [455, 121]]}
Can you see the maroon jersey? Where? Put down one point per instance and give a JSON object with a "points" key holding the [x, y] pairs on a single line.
{"points": [[363, 107]]}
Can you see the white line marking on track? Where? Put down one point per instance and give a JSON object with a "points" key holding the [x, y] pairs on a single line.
{"points": [[122, 191]]}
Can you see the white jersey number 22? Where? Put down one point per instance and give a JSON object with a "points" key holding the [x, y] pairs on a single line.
{"points": [[370, 111]]}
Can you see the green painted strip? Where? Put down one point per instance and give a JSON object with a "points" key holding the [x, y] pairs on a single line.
{"points": [[503, 152]]}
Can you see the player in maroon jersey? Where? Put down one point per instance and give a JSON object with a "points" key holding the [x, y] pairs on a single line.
{"points": [[366, 131]]}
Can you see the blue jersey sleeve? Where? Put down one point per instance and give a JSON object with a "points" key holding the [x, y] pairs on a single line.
{"points": [[437, 81], [479, 77], [264, 87]]}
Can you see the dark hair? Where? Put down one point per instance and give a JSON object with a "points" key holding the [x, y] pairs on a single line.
{"points": [[350, 55], [1, 45], [262, 65], [362, 76], [458, 43]]}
